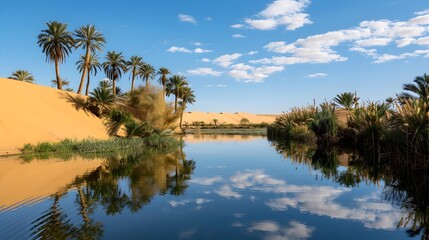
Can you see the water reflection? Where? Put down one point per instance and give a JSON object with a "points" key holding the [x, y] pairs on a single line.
{"points": [[147, 174], [406, 182]]}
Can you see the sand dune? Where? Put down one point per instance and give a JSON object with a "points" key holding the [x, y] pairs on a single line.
{"points": [[226, 118], [31, 113]]}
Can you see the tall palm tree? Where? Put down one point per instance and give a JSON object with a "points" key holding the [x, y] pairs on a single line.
{"points": [[113, 67], [22, 75], [345, 100], [187, 96], [88, 38], [175, 86], [92, 66], [133, 65], [163, 79], [56, 43], [418, 89], [147, 72]]}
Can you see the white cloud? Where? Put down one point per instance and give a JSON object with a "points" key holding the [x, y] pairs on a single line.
{"points": [[369, 52], [404, 42], [197, 43], [420, 20], [227, 59], [178, 49], [187, 18], [238, 36], [316, 75], [206, 181], [237, 26], [253, 52], [209, 18], [175, 49], [424, 12], [247, 73], [389, 57], [201, 201], [422, 41], [205, 60], [227, 192], [287, 13], [200, 50], [370, 42], [178, 203]]}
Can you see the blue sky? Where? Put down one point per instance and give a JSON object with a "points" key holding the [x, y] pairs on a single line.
{"points": [[261, 56]]}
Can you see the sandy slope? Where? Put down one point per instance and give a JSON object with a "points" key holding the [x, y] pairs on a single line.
{"points": [[227, 118], [31, 113]]}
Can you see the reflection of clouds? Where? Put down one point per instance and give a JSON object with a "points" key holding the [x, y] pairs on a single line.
{"points": [[198, 201], [187, 233], [226, 191], [206, 181], [319, 200], [295, 230]]}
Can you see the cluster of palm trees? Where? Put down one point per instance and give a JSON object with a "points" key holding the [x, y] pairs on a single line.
{"points": [[57, 43]]}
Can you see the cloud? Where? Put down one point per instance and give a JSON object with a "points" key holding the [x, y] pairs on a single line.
{"points": [[205, 60], [424, 12], [363, 38], [247, 73], [178, 203], [186, 18], [209, 18], [227, 59], [238, 36], [316, 75], [253, 52], [265, 226], [204, 72], [206, 181], [175, 49], [287, 13], [227, 192], [237, 26], [201, 201]]}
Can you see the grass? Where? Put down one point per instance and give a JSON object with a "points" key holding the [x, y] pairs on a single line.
{"points": [[230, 131], [69, 146]]}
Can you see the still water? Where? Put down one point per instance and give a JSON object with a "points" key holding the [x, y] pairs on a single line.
{"points": [[230, 187]]}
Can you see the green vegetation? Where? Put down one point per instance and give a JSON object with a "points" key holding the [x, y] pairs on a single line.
{"points": [[154, 141], [22, 75], [399, 125]]}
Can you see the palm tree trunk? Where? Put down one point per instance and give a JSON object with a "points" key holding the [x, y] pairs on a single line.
{"points": [[57, 72], [163, 92], [132, 79], [175, 103], [181, 117], [147, 85], [85, 69], [114, 87], [87, 83]]}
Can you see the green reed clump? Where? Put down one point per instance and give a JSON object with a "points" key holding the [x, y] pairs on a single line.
{"points": [[154, 141], [325, 124]]}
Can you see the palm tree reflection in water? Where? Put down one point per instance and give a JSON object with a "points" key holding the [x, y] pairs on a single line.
{"points": [[148, 173]]}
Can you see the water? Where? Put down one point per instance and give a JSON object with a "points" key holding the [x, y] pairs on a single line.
{"points": [[214, 188]]}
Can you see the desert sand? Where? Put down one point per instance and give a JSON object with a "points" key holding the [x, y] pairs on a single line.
{"points": [[226, 118], [31, 113]]}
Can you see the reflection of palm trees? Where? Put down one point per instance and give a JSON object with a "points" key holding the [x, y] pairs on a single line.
{"points": [[53, 224]]}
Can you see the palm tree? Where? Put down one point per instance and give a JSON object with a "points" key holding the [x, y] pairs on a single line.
{"points": [[63, 82], [22, 75], [147, 72], [88, 38], [345, 100], [92, 65], [56, 43], [187, 96], [175, 86], [163, 79], [113, 67], [420, 87], [134, 65]]}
